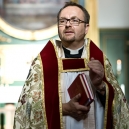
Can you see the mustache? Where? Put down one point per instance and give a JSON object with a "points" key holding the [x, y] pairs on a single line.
{"points": [[68, 30]]}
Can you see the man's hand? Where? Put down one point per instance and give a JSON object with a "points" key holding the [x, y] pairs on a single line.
{"points": [[74, 109], [96, 73]]}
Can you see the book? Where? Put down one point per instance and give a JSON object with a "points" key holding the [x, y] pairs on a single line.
{"points": [[81, 85]]}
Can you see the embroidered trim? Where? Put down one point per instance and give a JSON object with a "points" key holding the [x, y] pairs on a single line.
{"points": [[74, 70], [59, 84], [107, 96], [106, 105], [43, 95], [88, 51]]}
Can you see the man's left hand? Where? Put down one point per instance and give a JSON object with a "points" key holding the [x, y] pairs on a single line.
{"points": [[96, 72]]}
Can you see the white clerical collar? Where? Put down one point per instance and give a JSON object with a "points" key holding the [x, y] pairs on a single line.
{"points": [[74, 51]]}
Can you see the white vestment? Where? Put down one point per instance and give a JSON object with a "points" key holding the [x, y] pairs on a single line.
{"points": [[97, 110]]}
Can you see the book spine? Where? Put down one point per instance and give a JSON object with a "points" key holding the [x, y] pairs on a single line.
{"points": [[87, 86], [90, 86], [83, 83]]}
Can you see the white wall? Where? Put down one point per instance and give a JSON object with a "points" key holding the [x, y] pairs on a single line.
{"points": [[113, 13]]}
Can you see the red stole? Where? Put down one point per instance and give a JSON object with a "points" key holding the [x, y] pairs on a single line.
{"points": [[98, 54], [51, 79]]}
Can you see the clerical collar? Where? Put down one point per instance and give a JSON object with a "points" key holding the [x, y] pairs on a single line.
{"points": [[69, 53]]}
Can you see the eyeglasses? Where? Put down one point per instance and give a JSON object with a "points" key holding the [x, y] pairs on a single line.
{"points": [[73, 21]]}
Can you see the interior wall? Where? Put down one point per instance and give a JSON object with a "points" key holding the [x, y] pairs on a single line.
{"points": [[113, 13], [113, 42]]}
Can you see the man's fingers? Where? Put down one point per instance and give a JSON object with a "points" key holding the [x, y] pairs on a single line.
{"points": [[84, 109], [98, 71], [85, 116], [92, 58], [76, 98], [79, 112], [95, 63]]}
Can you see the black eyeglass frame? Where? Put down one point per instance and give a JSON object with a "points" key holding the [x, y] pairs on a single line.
{"points": [[79, 21]]}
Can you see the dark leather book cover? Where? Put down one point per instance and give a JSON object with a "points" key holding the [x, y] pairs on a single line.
{"points": [[79, 85]]}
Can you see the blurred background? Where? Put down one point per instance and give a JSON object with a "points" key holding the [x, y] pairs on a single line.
{"points": [[27, 25]]}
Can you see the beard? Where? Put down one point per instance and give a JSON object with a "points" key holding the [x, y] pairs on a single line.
{"points": [[66, 38]]}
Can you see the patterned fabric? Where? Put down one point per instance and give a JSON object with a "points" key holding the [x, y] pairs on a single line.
{"points": [[29, 112], [120, 107]]}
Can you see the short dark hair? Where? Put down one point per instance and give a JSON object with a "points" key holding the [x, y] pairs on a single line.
{"points": [[86, 14]]}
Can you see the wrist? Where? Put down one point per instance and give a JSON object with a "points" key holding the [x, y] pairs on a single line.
{"points": [[101, 88]]}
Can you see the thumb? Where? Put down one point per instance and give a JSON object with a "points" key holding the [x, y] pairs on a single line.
{"points": [[92, 58], [77, 97]]}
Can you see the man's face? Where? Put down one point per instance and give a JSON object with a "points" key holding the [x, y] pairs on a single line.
{"points": [[69, 32]]}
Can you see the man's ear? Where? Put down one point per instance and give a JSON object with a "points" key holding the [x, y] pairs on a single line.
{"points": [[87, 28]]}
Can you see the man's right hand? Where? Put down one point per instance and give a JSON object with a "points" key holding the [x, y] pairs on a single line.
{"points": [[74, 109]]}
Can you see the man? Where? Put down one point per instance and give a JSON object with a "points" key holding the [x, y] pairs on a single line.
{"points": [[45, 102]]}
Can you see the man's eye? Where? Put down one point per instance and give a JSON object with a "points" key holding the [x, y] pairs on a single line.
{"points": [[62, 21], [74, 20]]}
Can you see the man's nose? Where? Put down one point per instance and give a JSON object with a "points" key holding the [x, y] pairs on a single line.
{"points": [[68, 23]]}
